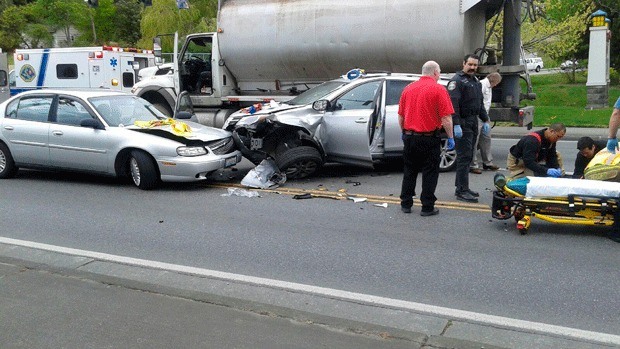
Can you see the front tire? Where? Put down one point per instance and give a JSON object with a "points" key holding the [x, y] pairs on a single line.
{"points": [[142, 170], [299, 162], [537, 68], [7, 165]]}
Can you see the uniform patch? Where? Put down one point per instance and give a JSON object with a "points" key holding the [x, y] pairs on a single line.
{"points": [[451, 85]]}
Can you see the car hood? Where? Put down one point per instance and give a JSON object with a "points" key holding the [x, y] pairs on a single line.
{"points": [[196, 133], [301, 116]]}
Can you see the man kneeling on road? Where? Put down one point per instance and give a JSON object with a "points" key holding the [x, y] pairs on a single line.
{"points": [[535, 154]]}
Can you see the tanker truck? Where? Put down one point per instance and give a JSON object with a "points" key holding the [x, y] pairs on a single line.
{"points": [[266, 50]]}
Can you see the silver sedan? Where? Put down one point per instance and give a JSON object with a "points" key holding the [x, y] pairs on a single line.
{"points": [[110, 133]]}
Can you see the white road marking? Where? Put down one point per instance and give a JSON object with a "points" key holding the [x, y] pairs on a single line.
{"points": [[455, 314]]}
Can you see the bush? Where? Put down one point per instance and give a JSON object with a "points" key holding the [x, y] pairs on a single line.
{"points": [[614, 77]]}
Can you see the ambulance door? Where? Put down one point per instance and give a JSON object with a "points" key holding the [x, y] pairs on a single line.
{"points": [[128, 72], [5, 91], [96, 73]]}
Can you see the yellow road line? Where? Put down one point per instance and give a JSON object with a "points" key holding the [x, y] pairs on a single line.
{"points": [[343, 195]]}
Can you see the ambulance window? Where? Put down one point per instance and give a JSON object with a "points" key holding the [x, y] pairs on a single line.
{"points": [[128, 80], [3, 78], [67, 71]]}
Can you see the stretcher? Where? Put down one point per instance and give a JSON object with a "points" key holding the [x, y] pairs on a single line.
{"points": [[558, 200]]}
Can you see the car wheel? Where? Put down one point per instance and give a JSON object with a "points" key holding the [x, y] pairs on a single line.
{"points": [[537, 68], [299, 162], [447, 158], [142, 170], [7, 165]]}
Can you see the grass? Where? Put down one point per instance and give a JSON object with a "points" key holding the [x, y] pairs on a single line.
{"points": [[560, 100]]}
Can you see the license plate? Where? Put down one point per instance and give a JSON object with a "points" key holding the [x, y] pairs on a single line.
{"points": [[256, 143], [231, 161]]}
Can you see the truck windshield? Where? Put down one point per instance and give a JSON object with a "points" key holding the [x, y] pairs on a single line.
{"points": [[316, 93]]}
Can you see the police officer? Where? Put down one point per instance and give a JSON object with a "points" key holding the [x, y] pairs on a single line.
{"points": [[466, 95]]}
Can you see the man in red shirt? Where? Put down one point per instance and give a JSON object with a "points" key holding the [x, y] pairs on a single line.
{"points": [[425, 107]]}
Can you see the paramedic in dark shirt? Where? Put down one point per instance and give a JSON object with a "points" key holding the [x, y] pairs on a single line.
{"points": [[587, 149], [535, 154]]}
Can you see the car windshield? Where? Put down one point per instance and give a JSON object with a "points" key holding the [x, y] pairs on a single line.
{"points": [[316, 93], [120, 110]]}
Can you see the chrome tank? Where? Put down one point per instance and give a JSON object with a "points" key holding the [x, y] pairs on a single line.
{"points": [[306, 40]]}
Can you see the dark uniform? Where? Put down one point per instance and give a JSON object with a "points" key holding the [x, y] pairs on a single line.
{"points": [[466, 95], [533, 151]]}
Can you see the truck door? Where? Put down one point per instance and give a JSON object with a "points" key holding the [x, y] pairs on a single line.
{"points": [[5, 91], [348, 127]]}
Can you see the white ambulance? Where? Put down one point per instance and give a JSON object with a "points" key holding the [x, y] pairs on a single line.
{"points": [[79, 67]]}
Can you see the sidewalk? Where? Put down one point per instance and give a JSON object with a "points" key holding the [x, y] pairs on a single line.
{"points": [[56, 297], [572, 133]]}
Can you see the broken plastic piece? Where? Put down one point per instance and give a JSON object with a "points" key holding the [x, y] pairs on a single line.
{"points": [[242, 192], [264, 176], [357, 199], [302, 196], [384, 205]]}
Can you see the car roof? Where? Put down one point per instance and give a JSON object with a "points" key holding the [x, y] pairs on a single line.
{"points": [[443, 80]]}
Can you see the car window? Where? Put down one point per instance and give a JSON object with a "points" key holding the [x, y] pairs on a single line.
{"points": [[71, 112], [360, 97], [316, 93], [124, 110], [33, 108], [394, 90]]}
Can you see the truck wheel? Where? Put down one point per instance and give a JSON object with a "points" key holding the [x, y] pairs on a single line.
{"points": [[143, 170], [537, 68], [299, 162], [447, 158], [164, 108], [7, 165]]}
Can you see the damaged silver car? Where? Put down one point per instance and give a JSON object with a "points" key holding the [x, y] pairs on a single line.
{"points": [[352, 120]]}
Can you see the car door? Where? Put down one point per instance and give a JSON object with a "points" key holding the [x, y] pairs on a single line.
{"points": [[393, 134], [77, 147], [26, 128], [347, 126]]}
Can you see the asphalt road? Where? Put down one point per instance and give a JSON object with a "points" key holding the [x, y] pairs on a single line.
{"points": [[461, 259]]}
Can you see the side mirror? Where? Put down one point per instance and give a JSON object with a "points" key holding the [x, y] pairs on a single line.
{"points": [[183, 115], [321, 105], [157, 49], [92, 123], [135, 65]]}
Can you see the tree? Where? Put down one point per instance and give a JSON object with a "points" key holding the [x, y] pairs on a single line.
{"points": [[612, 7], [21, 26], [127, 20], [60, 14], [164, 18], [560, 29]]}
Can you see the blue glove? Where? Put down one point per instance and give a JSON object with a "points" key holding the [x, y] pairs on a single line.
{"points": [[612, 144], [450, 144], [554, 172], [486, 129], [458, 131]]}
